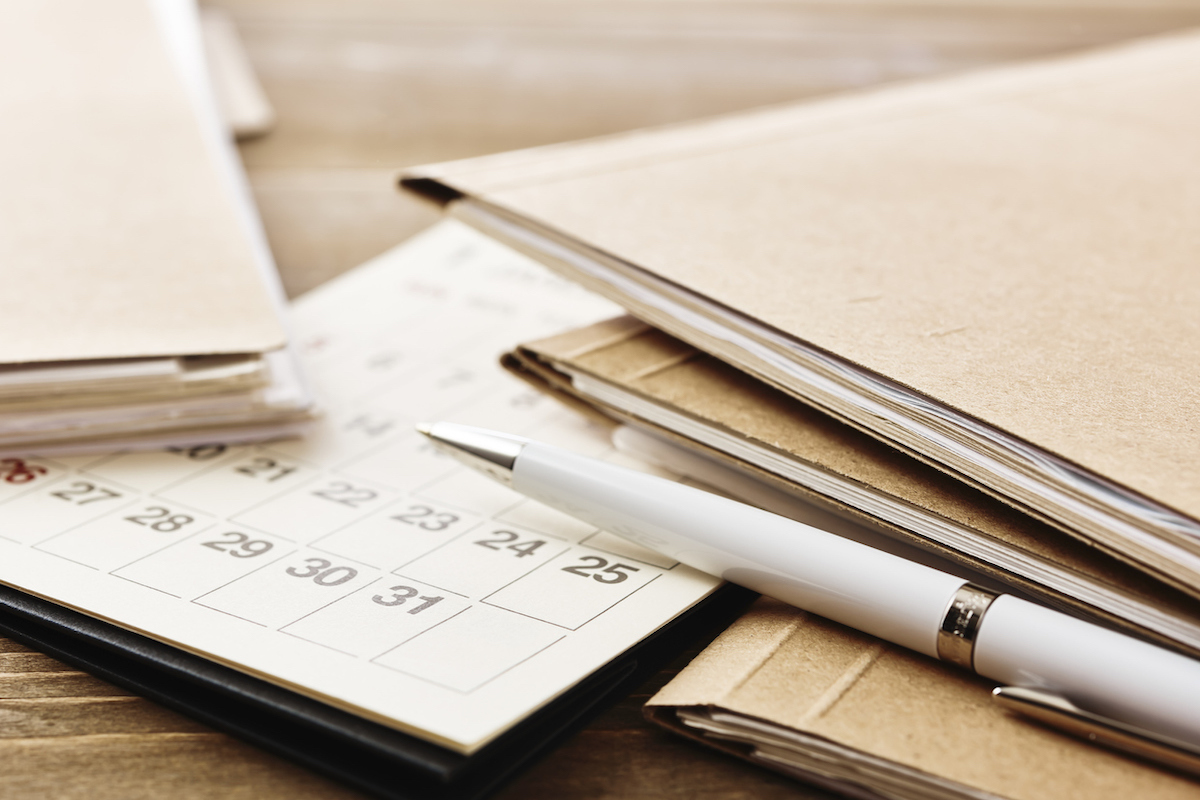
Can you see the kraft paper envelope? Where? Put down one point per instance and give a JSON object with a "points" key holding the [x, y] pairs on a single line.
{"points": [[622, 369], [869, 715], [119, 239], [995, 271]]}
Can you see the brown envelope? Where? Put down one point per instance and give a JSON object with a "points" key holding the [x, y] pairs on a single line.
{"points": [[1019, 246], [118, 237], [672, 375], [891, 718]]}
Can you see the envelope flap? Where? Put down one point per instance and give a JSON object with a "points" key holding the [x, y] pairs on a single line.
{"points": [[119, 238]]}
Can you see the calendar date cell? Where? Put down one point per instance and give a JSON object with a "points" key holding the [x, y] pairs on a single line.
{"points": [[70, 501], [484, 559], [19, 475], [316, 509], [340, 437], [152, 471], [377, 617], [471, 648], [405, 464], [475, 492], [283, 591], [120, 538], [626, 550], [204, 562], [240, 483], [403, 532], [575, 588]]}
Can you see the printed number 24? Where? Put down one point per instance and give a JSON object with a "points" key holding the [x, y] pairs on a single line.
{"points": [[507, 540]]}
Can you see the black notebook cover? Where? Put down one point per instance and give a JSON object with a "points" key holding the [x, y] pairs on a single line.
{"points": [[355, 751]]}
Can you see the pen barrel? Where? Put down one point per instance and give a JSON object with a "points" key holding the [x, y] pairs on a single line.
{"points": [[1018, 643], [1107, 673], [845, 581]]}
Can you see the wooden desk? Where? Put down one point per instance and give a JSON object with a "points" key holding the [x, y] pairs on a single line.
{"points": [[364, 87]]}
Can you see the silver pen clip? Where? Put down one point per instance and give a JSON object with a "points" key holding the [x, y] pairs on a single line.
{"points": [[1058, 712]]}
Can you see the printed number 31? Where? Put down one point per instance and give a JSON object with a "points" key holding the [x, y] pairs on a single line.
{"points": [[400, 594]]}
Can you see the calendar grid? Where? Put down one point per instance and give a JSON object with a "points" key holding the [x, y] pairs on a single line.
{"points": [[358, 563], [250, 518]]}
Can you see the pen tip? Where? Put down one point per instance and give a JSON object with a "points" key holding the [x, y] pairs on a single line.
{"points": [[425, 428]]}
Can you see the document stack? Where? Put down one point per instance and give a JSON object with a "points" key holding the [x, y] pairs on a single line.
{"points": [[961, 312], [140, 303]]}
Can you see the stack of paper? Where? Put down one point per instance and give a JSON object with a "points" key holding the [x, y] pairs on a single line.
{"points": [[994, 272], [963, 311], [835, 707], [140, 304]]}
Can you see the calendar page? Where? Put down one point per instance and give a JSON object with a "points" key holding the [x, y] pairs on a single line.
{"points": [[359, 565]]}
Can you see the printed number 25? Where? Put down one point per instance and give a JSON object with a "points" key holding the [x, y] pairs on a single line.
{"points": [[600, 570]]}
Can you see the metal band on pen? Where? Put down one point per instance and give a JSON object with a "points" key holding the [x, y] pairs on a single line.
{"points": [[960, 625]]}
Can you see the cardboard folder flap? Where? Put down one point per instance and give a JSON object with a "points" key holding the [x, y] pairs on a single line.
{"points": [[492, 175], [1017, 245], [119, 238], [875, 715], [669, 372], [655, 367]]}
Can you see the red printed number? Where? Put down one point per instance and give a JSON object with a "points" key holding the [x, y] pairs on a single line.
{"points": [[15, 470]]}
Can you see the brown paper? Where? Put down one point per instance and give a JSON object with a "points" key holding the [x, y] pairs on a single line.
{"points": [[1018, 245], [119, 239], [666, 371], [801, 671]]}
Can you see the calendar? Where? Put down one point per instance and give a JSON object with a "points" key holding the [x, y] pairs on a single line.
{"points": [[358, 565]]}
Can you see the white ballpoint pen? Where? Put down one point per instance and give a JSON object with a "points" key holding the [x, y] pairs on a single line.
{"points": [[1122, 680]]}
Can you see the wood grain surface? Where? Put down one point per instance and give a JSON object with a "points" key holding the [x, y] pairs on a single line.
{"points": [[364, 87]]}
